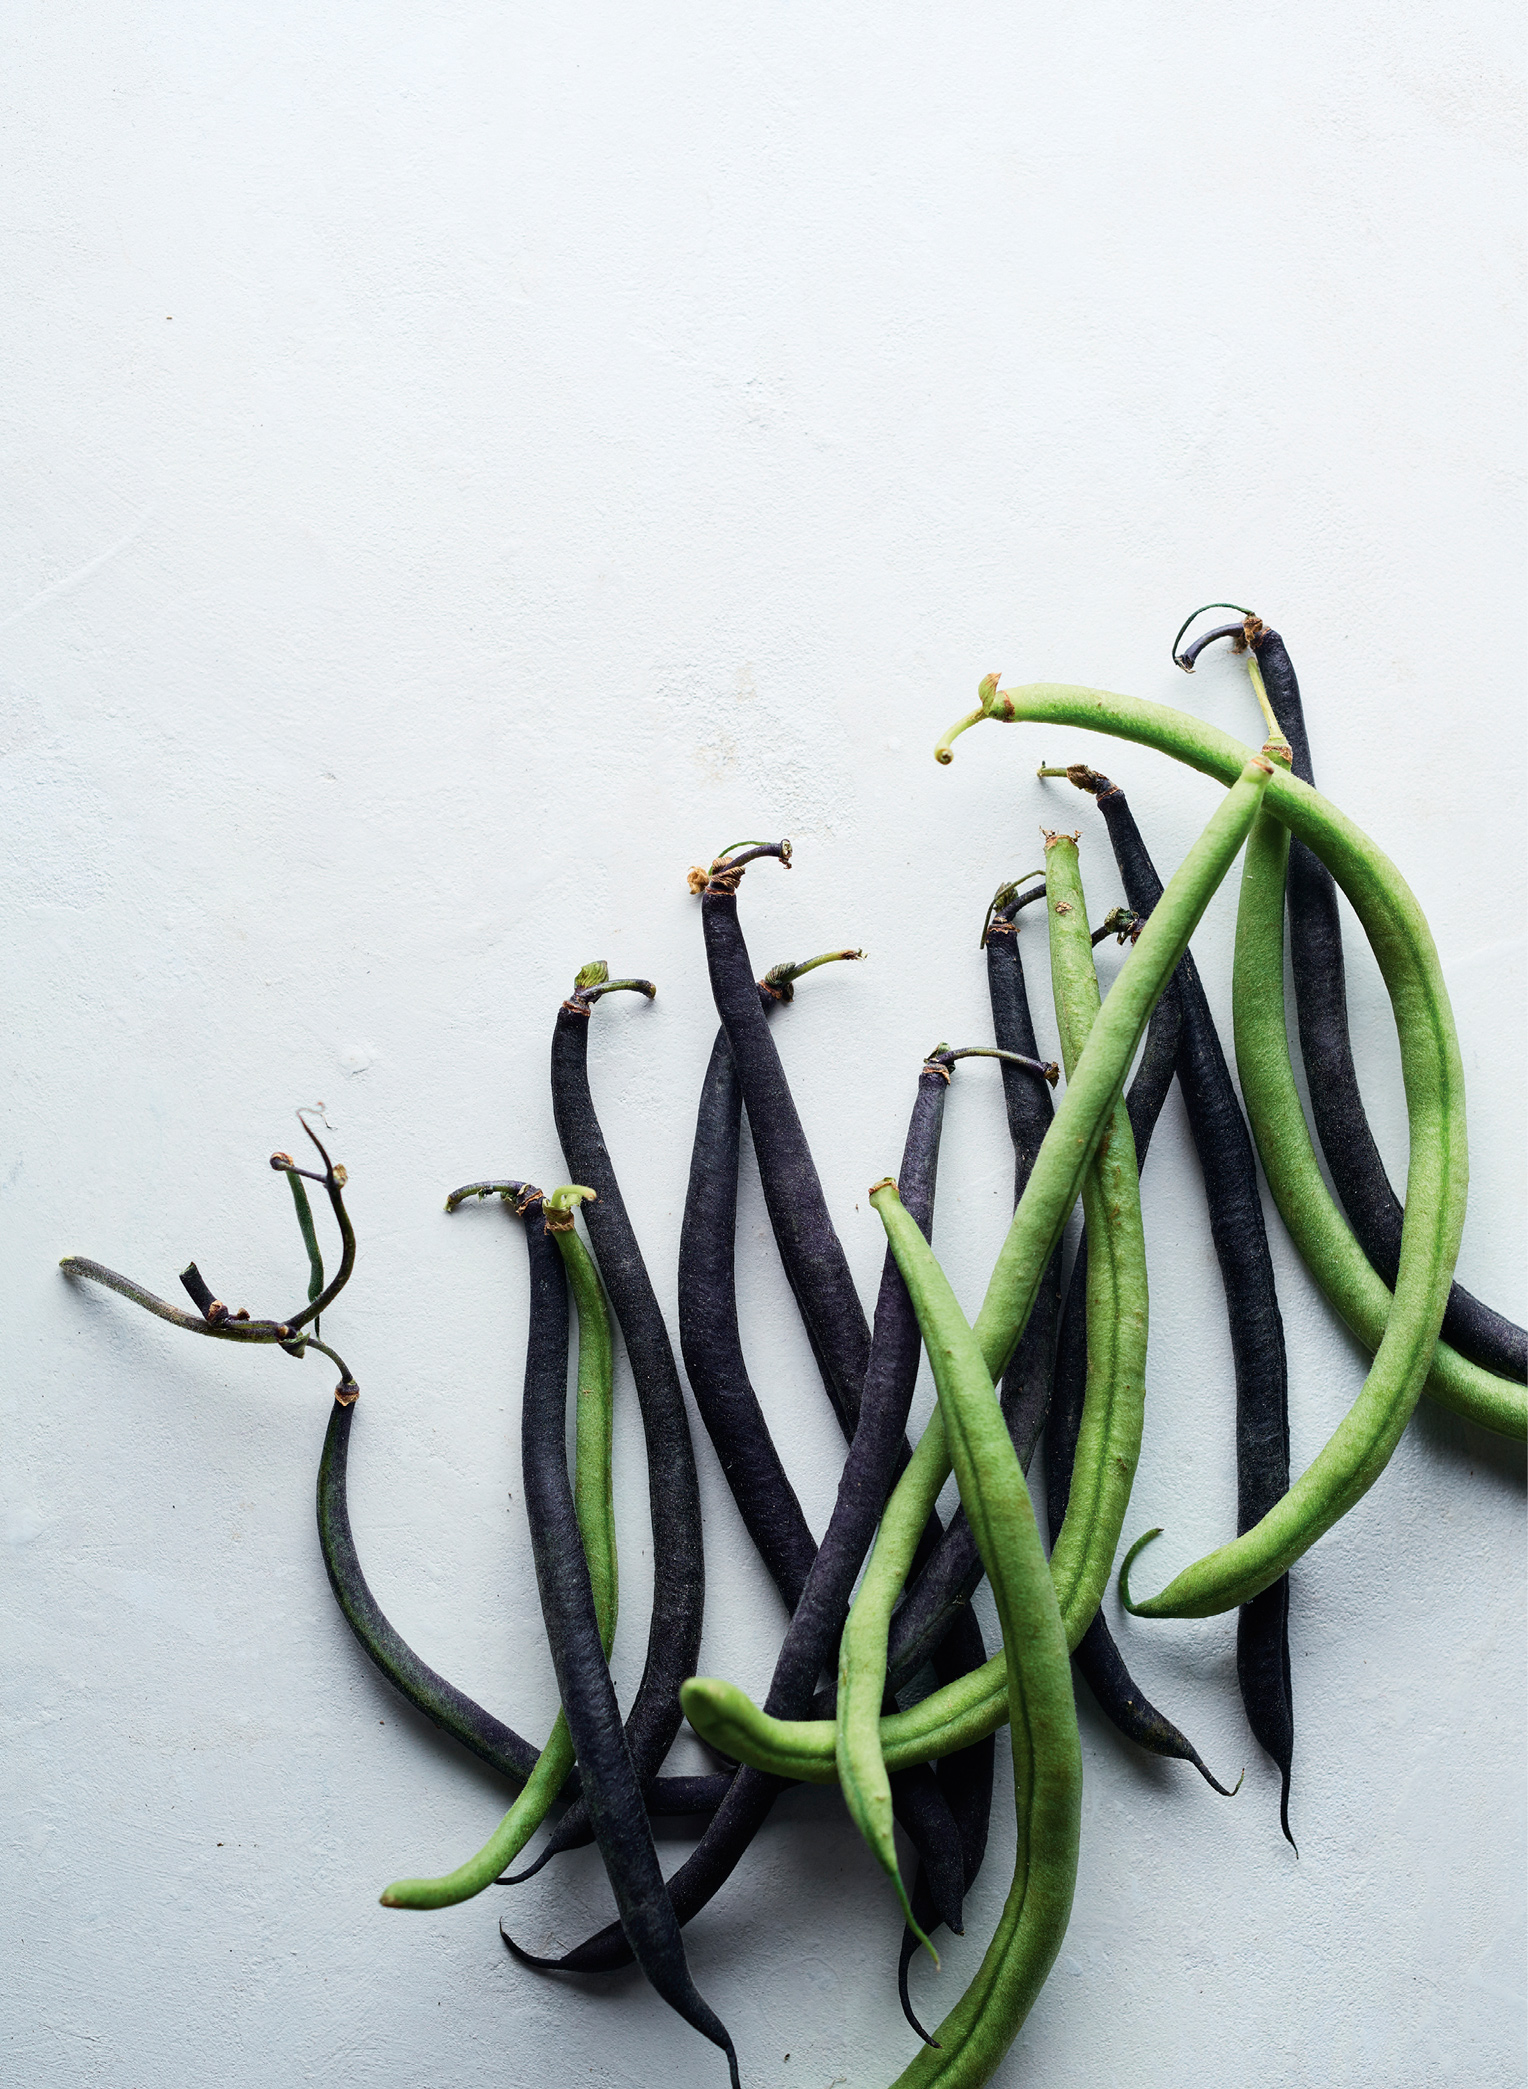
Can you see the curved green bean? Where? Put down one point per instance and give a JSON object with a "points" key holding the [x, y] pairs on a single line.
{"points": [[862, 1679], [1316, 1224], [963, 1711], [595, 1509], [1047, 1755], [1359, 1450], [1114, 1404]]}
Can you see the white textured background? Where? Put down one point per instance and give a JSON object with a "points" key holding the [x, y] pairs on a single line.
{"points": [[466, 463]]}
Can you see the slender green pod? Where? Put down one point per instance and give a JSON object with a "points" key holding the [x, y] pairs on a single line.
{"points": [[862, 1687], [1327, 1243], [594, 1420], [1317, 1227], [610, 1784], [1047, 1755], [1437, 1178], [1359, 1450], [1114, 1403], [963, 1711], [594, 1507], [1359, 1180]]}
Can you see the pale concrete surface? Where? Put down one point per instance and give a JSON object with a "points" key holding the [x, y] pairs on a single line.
{"points": [[467, 464]]}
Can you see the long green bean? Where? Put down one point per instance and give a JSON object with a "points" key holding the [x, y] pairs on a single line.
{"points": [[1326, 1241], [1047, 1756], [1114, 1404]]}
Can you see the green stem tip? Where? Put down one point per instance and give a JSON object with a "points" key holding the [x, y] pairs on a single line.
{"points": [[1047, 1069], [1007, 901], [1127, 1563], [783, 975], [569, 1197], [562, 1204], [990, 705], [1277, 744], [594, 980]]}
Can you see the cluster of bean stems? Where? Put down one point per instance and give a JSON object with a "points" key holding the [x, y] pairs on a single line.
{"points": [[1033, 1363]]}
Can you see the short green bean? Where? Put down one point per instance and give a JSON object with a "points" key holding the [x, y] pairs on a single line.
{"points": [[595, 1509]]}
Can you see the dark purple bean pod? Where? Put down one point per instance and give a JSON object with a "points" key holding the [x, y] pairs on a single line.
{"points": [[612, 1786], [679, 1576], [935, 1597], [810, 1250], [1235, 1204], [1026, 1389], [965, 1779], [708, 1327], [452, 1710], [1098, 1659], [1374, 1211], [818, 1620]]}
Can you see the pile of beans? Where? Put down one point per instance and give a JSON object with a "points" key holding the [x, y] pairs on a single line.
{"points": [[1068, 1365]]}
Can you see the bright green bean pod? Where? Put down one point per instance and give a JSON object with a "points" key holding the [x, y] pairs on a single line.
{"points": [[963, 1711], [594, 1507], [1359, 1449], [1114, 1404], [1047, 1755], [1316, 1224], [862, 1676], [594, 1419]]}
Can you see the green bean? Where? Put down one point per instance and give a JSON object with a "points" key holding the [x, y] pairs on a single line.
{"points": [[963, 1711], [1326, 1241], [1437, 1177], [1109, 1437], [1047, 1755], [595, 1509], [862, 1680], [1360, 1448]]}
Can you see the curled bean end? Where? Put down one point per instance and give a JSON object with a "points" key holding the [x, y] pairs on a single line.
{"points": [[990, 705], [1135, 1609], [907, 2007]]}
